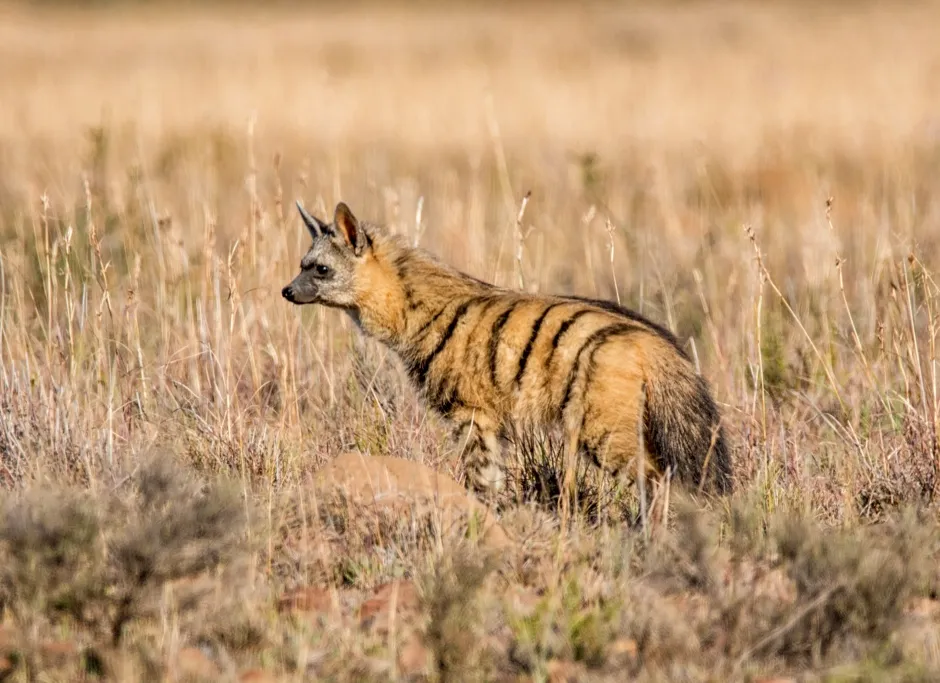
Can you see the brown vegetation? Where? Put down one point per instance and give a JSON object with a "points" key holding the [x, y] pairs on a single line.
{"points": [[761, 179]]}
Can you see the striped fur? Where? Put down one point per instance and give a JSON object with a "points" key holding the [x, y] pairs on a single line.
{"points": [[495, 361]]}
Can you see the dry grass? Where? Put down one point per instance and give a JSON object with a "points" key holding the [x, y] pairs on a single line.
{"points": [[760, 178]]}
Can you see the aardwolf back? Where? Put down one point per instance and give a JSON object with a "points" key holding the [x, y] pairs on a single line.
{"points": [[497, 363]]}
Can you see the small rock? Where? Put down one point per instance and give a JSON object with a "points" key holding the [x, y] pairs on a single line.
{"points": [[396, 599], [413, 658], [193, 662], [312, 600]]}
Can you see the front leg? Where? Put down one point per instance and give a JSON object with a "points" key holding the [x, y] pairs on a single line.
{"points": [[477, 436]]}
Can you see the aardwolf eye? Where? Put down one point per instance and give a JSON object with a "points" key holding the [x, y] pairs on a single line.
{"points": [[319, 269]]}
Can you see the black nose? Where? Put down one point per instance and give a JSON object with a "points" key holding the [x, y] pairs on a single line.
{"points": [[288, 293]]}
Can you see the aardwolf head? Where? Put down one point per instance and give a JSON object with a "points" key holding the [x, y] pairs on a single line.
{"points": [[330, 269]]}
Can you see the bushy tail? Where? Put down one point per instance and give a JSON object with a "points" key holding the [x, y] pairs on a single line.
{"points": [[684, 433]]}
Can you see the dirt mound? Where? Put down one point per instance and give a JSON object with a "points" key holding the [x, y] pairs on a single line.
{"points": [[398, 484]]}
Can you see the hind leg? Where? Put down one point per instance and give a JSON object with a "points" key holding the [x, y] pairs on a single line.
{"points": [[621, 454], [483, 454], [625, 462], [612, 437]]}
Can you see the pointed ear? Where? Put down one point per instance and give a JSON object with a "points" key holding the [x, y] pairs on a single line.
{"points": [[349, 229], [315, 226]]}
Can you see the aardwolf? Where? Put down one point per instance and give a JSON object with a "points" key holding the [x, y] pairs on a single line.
{"points": [[493, 361]]}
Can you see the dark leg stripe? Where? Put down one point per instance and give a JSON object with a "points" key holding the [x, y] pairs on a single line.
{"points": [[422, 366], [447, 399], [495, 333], [527, 351], [592, 342], [591, 449]]}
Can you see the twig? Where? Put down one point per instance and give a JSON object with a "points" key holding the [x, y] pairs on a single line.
{"points": [[520, 239], [418, 229], [796, 318], [789, 625], [858, 342], [610, 246]]}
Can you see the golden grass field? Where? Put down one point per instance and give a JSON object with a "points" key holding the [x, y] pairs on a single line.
{"points": [[762, 178]]}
